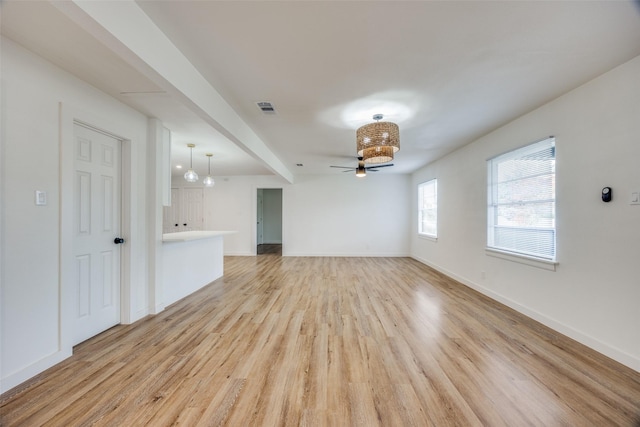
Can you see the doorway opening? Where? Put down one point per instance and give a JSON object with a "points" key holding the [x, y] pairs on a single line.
{"points": [[269, 221]]}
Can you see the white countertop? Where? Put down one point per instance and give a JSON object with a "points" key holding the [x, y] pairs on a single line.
{"points": [[185, 236]]}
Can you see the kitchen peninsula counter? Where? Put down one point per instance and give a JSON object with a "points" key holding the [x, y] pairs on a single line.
{"points": [[190, 261]]}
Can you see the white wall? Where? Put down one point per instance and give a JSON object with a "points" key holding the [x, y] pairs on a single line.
{"points": [[332, 215], [32, 335], [231, 205], [594, 295], [342, 215]]}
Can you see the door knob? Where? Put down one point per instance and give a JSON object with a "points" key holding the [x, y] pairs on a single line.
{"points": [[118, 240]]}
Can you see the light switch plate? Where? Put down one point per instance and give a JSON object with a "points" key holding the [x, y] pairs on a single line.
{"points": [[41, 198], [635, 198]]}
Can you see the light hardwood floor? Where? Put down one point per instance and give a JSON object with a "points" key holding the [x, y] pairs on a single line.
{"points": [[330, 342]]}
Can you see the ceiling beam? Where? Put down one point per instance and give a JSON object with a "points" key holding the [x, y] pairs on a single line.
{"points": [[124, 28]]}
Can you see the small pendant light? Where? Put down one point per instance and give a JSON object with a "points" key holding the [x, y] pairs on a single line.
{"points": [[208, 180], [191, 175]]}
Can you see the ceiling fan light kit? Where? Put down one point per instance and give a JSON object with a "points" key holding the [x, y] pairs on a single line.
{"points": [[361, 171], [377, 142]]}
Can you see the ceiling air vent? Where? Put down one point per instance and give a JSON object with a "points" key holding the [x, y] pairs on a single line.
{"points": [[266, 107]]}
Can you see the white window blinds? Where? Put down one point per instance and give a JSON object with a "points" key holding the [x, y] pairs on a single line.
{"points": [[522, 201], [428, 208]]}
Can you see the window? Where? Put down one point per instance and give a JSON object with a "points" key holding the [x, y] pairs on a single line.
{"points": [[522, 201], [428, 208]]}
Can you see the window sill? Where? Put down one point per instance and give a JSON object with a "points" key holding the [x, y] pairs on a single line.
{"points": [[523, 259], [428, 237]]}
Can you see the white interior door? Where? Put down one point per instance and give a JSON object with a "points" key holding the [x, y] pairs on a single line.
{"points": [[96, 226], [193, 209], [171, 220]]}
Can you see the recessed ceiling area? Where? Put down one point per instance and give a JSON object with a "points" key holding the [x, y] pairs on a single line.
{"points": [[445, 72]]}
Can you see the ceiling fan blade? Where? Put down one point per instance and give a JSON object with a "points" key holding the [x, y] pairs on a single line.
{"points": [[373, 168], [376, 167]]}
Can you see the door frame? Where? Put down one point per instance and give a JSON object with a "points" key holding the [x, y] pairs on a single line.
{"points": [[69, 116], [254, 217], [259, 217]]}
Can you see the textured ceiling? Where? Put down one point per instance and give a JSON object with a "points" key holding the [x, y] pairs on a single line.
{"points": [[447, 72]]}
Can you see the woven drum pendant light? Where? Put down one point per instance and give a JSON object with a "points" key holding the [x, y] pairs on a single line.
{"points": [[378, 142]]}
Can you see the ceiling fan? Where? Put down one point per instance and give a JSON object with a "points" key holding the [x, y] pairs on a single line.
{"points": [[361, 170]]}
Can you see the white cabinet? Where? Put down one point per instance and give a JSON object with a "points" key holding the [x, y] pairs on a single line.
{"points": [[186, 212]]}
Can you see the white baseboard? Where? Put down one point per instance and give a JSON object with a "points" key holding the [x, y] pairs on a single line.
{"points": [[591, 342], [24, 374], [140, 314], [345, 255], [328, 255], [158, 308]]}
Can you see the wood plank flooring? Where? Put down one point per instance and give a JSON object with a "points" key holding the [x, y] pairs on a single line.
{"points": [[330, 342]]}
